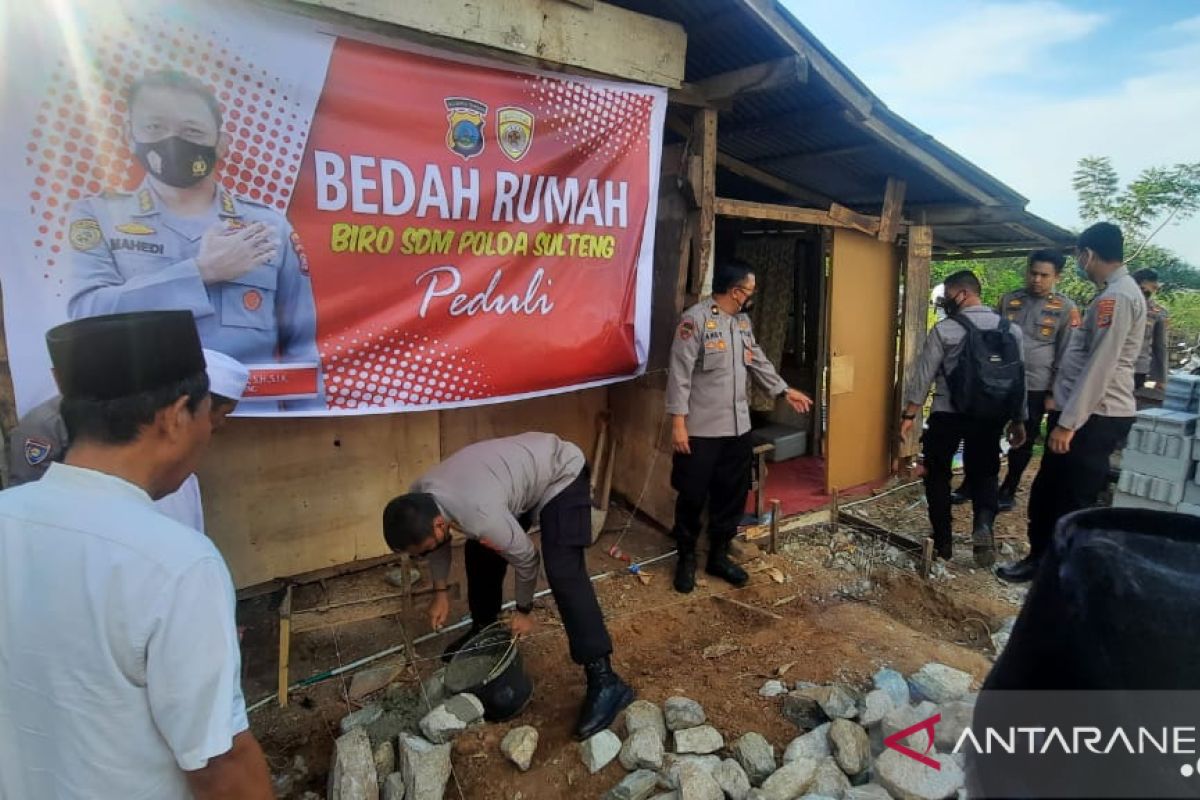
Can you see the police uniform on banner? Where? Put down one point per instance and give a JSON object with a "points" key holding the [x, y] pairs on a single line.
{"points": [[1093, 394], [712, 359], [119, 663], [1152, 359], [1046, 324], [40, 439], [130, 253]]}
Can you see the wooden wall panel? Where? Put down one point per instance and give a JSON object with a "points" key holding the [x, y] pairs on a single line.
{"points": [[572, 416], [643, 467], [285, 496]]}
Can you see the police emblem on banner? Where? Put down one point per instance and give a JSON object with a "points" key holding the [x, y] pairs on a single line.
{"points": [[514, 131], [466, 118], [36, 451]]}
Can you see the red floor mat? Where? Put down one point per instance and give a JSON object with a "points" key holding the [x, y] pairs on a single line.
{"points": [[799, 484]]}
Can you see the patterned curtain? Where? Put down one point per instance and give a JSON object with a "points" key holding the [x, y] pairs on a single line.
{"points": [[774, 261]]}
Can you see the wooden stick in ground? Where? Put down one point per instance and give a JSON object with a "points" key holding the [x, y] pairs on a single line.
{"points": [[927, 558], [746, 606], [285, 641], [776, 511], [833, 513]]}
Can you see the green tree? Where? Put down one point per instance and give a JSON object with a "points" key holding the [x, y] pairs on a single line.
{"points": [[1157, 197]]}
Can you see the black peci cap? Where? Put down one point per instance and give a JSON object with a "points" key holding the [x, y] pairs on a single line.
{"points": [[118, 355]]}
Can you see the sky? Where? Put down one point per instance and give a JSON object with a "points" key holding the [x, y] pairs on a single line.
{"points": [[1024, 89]]}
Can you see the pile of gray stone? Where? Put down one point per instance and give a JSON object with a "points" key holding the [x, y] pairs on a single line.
{"points": [[673, 753]]}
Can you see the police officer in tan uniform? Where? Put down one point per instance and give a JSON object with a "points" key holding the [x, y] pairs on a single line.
{"points": [[1150, 371], [713, 358], [1046, 318], [1093, 395]]}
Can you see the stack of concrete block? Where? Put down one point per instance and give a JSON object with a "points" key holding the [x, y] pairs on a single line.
{"points": [[1157, 463], [1182, 393]]}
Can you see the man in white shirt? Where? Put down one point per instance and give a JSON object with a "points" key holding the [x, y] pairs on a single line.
{"points": [[119, 661], [40, 438]]}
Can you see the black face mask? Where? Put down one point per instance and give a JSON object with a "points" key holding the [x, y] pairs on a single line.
{"points": [[747, 306], [950, 305], [176, 161]]}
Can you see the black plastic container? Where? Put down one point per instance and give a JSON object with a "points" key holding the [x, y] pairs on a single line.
{"points": [[501, 685]]}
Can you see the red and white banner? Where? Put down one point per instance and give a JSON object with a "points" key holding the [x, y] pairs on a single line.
{"points": [[370, 229]]}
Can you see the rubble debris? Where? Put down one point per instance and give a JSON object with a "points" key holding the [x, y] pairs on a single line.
{"points": [[644, 714], [939, 683], [680, 713], [361, 718], [790, 781], [836, 701], [875, 707], [642, 750], [772, 688], [899, 719], [352, 775], [803, 710], [393, 787], [600, 750], [1000, 638], [451, 718], [370, 681], [829, 780], [732, 779], [425, 767], [637, 785], [669, 776], [700, 740], [907, 779], [868, 791], [813, 745], [697, 783], [385, 759], [956, 717], [894, 684], [756, 756], [519, 745], [851, 747]]}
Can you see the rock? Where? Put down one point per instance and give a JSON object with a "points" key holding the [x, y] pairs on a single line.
{"points": [[385, 759], [732, 779], [899, 719], [894, 684], [772, 689], [599, 751], [637, 785], [361, 718], [669, 776], [868, 791], [352, 776], [939, 683], [829, 780], [813, 745], [839, 702], [644, 714], [756, 756], [1000, 638], [905, 778], [519, 745], [803, 710], [393, 787], [451, 718], [1007, 550], [425, 767], [680, 713], [697, 783], [370, 681], [790, 781], [701, 740], [642, 750], [876, 705], [433, 688], [956, 717], [851, 747]]}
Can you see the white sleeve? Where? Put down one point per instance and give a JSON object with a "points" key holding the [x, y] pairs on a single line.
{"points": [[184, 505], [193, 667]]}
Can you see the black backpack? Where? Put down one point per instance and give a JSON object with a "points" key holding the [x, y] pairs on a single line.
{"points": [[988, 382]]}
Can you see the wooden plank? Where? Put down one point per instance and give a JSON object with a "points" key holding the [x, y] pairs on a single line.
{"points": [[604, 38], [780, 73], [643, 463], [914, 320], [764, 178], [746, 209], [572, 415], [893, 209], [941, 214], [854, 220], [689, 95], [288, 496], [704, 141], [285, 646], [352, 611]]}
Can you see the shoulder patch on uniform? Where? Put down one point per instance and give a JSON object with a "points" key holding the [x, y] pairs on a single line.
{"points": [[300, 254], [687, 329], [85, 234], [1104, 311], [36, 451]]}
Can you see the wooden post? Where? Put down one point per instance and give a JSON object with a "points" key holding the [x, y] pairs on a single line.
{"points": [[893, 205], [927, 558], [704, 138], [916, 320], [776, 510], [285, 642], [834, 512]]}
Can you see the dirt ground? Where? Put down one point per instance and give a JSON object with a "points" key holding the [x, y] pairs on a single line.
{"points": [[830, 608]]}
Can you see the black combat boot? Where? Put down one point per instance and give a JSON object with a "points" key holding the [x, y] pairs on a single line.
{"points": [[944, 549], [960, 495], [606, 695], [685, 570], [983, 544], [453, 648], [1019, 571], [720, 565]]}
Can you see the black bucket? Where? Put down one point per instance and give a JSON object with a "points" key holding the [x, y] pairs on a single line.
{"points": [[489, 666]]}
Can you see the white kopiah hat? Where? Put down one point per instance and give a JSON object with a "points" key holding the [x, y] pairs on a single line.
{"points": [[226, 376]]}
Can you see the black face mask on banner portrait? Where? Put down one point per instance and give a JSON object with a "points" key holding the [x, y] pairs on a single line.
{"points": [[176, 161]]}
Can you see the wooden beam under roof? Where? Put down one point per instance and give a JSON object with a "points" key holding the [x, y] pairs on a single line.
{"points": [[782, 72]]}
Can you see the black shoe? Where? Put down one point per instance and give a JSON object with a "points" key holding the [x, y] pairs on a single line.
{"points": [[944, 551], [1006, 500], [983, 543], [453, 648], [720, 566], [959, 496], [1019, 572], [606, 695], [685, 572]]}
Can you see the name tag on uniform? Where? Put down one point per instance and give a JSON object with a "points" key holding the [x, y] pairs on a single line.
{"points": [[283, 381]]}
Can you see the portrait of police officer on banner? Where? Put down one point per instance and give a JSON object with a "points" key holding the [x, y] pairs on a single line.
{"points": [[182, 241]]}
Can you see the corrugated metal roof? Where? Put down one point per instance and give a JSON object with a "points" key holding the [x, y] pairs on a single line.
{"points": [[811, 136]]}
